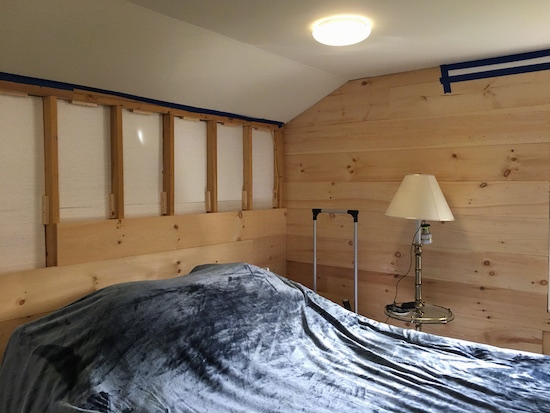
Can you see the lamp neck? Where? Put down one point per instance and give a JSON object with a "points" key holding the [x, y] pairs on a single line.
{"points": [[418, 302], [422, 235], [418, 233]]}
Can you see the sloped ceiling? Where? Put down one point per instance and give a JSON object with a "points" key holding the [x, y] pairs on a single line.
{"points": [[253, 58]]}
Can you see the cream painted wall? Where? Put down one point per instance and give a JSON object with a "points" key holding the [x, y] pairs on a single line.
{"points": [[262, 168], [21, 183], [84, 161], [142, 143], [190, 166], [230, 167]]}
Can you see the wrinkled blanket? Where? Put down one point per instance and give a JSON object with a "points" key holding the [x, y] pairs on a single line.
{"points": [[237, 338]]}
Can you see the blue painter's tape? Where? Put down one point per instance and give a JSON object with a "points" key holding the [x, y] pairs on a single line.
{"points": [[447, 79], [68, 86]]}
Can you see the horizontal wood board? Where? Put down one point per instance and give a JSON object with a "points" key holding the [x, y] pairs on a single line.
{"points": [[256, 237], [487, 143], [94, 240]]}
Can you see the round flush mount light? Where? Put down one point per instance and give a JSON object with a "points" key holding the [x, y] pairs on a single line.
{"points": [[341, 30]]}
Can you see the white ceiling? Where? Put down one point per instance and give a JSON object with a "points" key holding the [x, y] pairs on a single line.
{"points": [[254, 58]]}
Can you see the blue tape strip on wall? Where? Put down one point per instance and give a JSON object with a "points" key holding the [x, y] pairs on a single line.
{"points": [[68, 86], [446, 79]]}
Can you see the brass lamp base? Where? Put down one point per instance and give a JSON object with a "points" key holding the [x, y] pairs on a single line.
{"points": [[426, 314]]}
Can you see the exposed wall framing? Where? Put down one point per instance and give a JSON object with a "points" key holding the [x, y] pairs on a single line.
{"points": [[83, 256], [51, 202]]}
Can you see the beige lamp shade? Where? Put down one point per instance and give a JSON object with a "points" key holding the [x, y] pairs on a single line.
{"points": [[419, 197]]}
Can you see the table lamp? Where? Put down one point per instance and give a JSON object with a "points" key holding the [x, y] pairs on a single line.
{"points": [[419, 197]]}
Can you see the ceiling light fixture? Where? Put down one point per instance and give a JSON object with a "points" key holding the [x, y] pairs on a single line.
{"points": [[341, 30]]}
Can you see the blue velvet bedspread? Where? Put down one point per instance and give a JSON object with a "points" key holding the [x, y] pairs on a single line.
{"points": [[237, 338]]}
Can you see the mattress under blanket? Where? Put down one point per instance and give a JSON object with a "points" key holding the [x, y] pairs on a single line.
{"points": [[237, 338]]}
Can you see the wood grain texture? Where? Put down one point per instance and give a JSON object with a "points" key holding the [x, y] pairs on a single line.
{"points": [[212, 166], [27, 295], [475, 198], [488, 145], [525, 236], [361, 99], [31, 292], [546, 342], [426, 99], [378, 289], [117, 164], [520, 162], [97, 240], [488, 127], [168, 162]]}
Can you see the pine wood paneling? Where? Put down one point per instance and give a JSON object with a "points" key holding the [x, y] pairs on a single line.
{"points": [[136, 236], [519, 199], [528, 89], [362, 99], [505, 334], [524, 236], [490, 270], [490, 127], [378, 289], [523, 162], [212, 166], [546, 342], [117, 164], [488, 144], [26, 295], [37, 291], [270, 252], [168, 163]]}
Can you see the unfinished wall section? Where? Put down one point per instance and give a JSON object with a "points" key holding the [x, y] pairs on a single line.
{"points": [[98, 189]]}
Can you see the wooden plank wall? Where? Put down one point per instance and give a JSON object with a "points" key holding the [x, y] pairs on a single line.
{"points": [[95, 254], [487, 143]]}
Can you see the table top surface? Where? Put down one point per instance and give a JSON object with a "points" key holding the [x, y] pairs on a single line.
{"points": [[428, 314]]}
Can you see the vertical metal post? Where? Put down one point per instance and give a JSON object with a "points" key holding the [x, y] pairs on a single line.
{"points": [[355, 214], [315, 213], [355, 269]]}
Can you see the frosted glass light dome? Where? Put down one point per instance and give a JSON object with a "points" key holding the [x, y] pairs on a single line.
{"points": [[342, 30]]}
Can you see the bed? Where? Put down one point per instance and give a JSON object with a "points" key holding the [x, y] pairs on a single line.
{"points": [[239, 338]]}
